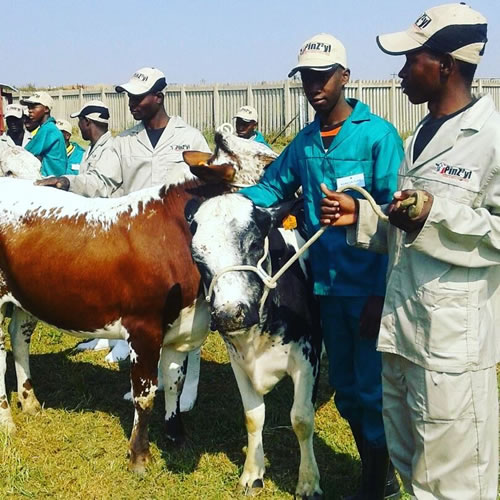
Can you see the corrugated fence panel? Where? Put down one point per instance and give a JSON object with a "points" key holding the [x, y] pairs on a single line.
{"points": [[230, 100], [207, 106]]}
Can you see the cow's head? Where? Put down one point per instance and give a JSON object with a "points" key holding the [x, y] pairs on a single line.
{"points": [[236, 161], [229, 230], [15, 161]]}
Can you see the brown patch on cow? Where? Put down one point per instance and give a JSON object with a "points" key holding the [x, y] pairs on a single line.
{"points": [[4, 405], [25, 395], [28, 385]]}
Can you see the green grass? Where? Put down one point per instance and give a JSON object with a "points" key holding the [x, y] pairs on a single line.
{"points": [[76, 447]]}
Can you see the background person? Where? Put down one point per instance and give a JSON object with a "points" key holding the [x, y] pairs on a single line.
{"points": [[344, 144], [74, 151], [246, 125], [15, 125], [439, 333], [48, 143]]}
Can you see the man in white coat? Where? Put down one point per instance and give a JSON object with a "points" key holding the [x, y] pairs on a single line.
{"points": [[440, 334]]}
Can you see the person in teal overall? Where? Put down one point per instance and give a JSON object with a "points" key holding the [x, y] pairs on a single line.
{"points": [[247, 121], [74, 151], [48, 143], [345, 144]]}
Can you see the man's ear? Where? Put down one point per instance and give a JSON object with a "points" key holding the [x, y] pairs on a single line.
{"points": [[346, 74], [447, 64]]}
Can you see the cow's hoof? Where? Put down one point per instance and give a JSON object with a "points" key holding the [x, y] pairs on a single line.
{"points": [[30, 405], [138, 463], [252, 490], [8, 427], [179, 442], [317, 495]]}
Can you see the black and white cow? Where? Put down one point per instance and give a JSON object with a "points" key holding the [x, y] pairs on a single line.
{"points": [[266, 341]]}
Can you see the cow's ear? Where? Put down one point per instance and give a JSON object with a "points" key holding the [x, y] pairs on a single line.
{"points": [[190, 210], [291, 207], [196, 158], [263, 219]]}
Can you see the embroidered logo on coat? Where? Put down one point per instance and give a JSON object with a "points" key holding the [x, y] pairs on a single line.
{"points": [[460, 173]]}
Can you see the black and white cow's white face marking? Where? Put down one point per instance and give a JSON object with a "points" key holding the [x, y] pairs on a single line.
{"points": [[228, 231]]}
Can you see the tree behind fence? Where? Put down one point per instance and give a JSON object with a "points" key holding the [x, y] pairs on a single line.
{"points": [[278, 103]]}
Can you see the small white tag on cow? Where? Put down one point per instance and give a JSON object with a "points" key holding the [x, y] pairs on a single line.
{"points": [[356, 179]]}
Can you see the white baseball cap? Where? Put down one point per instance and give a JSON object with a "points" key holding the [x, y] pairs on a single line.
{"points": [[453, 29], [14, 110], [93, 110], [144, 81], [64, 125], [320, 53], [39, 97], [247, 113]]}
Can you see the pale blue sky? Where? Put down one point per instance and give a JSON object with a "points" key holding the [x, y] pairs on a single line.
{"points": [[55, 42]]}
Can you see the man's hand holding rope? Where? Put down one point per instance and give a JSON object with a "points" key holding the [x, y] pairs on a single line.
{"points": [[408, 210]]}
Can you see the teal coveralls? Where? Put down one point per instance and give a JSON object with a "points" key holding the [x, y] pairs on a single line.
{"points": [[367, 151]]}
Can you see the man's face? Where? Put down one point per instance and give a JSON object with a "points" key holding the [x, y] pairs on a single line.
{"points": [[244, 128], [29, 124], [37, 112], [323, 88], [421, 76], [144, 107], [84, 126], [67, 137], [15, 125]]}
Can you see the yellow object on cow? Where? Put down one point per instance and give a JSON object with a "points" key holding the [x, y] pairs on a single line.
{"points": [[289, 222]]}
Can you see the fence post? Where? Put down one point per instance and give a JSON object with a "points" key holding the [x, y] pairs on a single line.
{"points": [[61, 105], [183, 111], [393, 109], [359, 91], [124, 98], [80, 96], [287, 103], [103, 95], [480, 86], [249, 95], [216, 118]]}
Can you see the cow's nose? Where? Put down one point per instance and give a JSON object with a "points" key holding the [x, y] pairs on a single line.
{"points": [[233, 318]]}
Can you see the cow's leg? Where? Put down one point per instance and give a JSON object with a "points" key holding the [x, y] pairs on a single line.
{"points": [[6, 422], [302, 417], [119, 351], [145, 355], [173, 370], [21, 328], [252, 478], [190, 389]]}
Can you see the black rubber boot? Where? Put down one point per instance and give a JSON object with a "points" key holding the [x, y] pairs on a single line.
{"points": [[392, 489], [378, 479]]}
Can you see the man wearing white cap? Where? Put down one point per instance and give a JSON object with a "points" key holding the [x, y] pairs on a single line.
{"points": [[100, 171], [346, 144], [151, 152], [48, 144], [74, 151], [246, 125], [440, 334], [15, 125]]}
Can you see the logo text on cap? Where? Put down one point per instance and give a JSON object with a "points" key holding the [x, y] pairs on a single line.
{"points": [[319, 46], [423, 21], [141, 76]]}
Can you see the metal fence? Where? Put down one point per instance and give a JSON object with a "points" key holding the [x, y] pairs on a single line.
{"points": [[278, 103]]}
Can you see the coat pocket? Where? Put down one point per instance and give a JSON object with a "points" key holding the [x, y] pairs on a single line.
{"points": [[442, 321]]}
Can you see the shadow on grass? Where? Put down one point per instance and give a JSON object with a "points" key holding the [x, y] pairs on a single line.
{"points": [[215, 425]]}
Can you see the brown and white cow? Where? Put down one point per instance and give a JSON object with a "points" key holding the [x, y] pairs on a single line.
{"points": [[115, 268]]}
